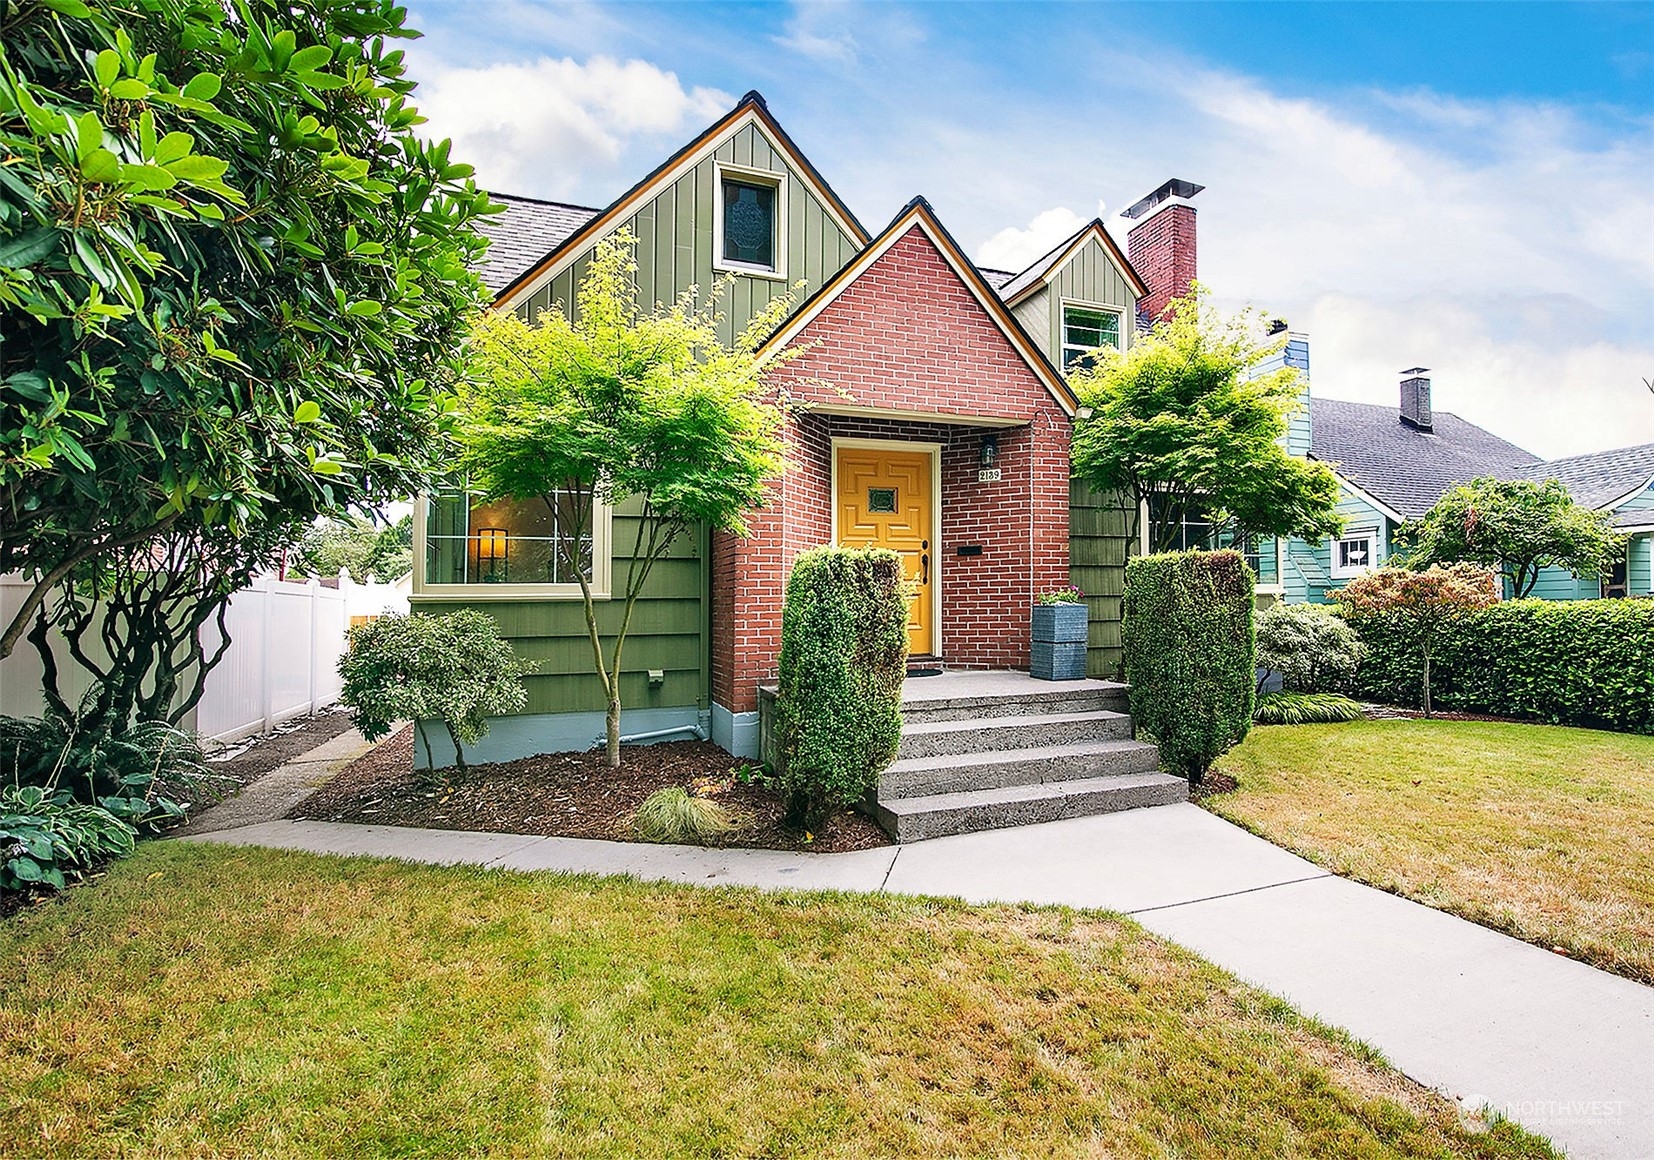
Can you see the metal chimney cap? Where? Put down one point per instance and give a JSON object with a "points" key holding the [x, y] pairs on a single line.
{"points": [[1412, 371], [1175, 187]]}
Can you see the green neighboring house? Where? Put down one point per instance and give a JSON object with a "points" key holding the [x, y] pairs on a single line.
{"points": [[1394, 463]]}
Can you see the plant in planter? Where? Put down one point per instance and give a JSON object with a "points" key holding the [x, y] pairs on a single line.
{"points": [[1061, 622]]}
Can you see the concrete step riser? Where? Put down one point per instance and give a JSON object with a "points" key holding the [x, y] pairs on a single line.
{"points": [[967, 708], [992, 774], [1031, 733], [969, 819]]}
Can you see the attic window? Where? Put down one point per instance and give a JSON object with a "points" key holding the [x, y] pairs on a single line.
{"points": [[749, 210], [1084, 329]]}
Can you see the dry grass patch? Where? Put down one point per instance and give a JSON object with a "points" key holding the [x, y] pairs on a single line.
{"points": [[1544, 832], [229, 1002]]}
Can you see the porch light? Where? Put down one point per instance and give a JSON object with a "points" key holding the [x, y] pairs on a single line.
{"points": [[989, 455]]}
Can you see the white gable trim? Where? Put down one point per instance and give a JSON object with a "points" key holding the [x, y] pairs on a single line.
{"points": [[1110, 251], [611, 218], [916, 218], [1367, 497], [1628, 496]]}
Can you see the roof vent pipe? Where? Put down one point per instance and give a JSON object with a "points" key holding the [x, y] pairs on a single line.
{"points": [[1415, 399]]}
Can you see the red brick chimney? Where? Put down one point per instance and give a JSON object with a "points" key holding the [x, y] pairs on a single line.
{"points": [[1162, 244]]}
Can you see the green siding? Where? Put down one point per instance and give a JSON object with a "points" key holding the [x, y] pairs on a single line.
{"points": [[1640, 564], [1560, 584], [675, 234], [668, 632], [1099, 539], [1090, 277]]}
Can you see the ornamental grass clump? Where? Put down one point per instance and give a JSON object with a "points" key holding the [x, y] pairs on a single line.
{"points": [[675, 815], [1190, 654], [1306, 709], [838, 713]]}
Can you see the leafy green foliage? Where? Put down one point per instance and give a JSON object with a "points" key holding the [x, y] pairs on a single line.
{"points": [[1516, 526], [453, 668], [838, 711], [1179, 421], [147, 777], [1305, 709], [357, 545], [675, 815], [622, 403], [46, 839], [232, 279], [1421, 605], [1575, 662], [1314, 650], [1190, 654]]}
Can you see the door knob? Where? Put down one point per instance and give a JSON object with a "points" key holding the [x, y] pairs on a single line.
{"points": [[924, 564]]}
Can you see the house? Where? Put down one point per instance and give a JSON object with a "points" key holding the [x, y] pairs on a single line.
{"points": [[1394, 463], [938, 424], [1621, 483]]}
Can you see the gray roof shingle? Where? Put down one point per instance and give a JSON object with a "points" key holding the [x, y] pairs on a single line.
{"points": [[1598, 479], [1400, 466], [527, 231], [995, 278]]}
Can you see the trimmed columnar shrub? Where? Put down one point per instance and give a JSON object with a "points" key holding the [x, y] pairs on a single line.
{"points": [[1582, 662], [1314, 650], [1191, 654], [454, 669], [838, 712]]}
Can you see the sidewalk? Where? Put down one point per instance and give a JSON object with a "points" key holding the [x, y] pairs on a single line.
{"points": [[1558, 1046], [277, 792]]}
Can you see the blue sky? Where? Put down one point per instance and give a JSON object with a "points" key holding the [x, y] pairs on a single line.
{"points": [[1465, 186]]}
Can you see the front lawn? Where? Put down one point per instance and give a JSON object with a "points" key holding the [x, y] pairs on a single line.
{"points": [[1544, 832], [227, 1001]]}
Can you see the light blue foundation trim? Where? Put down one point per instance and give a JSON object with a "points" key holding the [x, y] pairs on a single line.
{"points": [[736, 732], [532, 734]]}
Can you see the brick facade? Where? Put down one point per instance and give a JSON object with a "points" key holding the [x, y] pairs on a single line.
{"points": [[1162, 250], [907, 335]]}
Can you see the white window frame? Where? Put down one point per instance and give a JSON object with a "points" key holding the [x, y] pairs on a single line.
{"points": [[1343, 572], [778, 181], [602, 566], [1064, 346]]}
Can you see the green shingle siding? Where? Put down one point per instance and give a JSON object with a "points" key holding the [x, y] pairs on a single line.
{"points": [[1099, 539]]}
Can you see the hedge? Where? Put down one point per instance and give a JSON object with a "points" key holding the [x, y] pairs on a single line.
{"points": [[1191, 650], [1585, 662], [838, 710]]}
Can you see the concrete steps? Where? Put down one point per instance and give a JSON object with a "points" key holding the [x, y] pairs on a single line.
{"points": [[985, 750]]}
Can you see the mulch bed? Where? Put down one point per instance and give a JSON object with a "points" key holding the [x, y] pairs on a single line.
{"points": [[569, 795], [1377, 712]]}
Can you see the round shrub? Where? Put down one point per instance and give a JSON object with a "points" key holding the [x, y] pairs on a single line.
{"points": [[676, 815], [1191, 652], [838, 712], [454, 669], [1314, 650]]}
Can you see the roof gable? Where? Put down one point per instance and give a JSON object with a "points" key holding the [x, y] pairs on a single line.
{"points": [[1049, 265], [527, 231], [1402, 468], [919, 216], [749, 112]]}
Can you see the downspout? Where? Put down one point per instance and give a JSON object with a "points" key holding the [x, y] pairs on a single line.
{"points": [[653, 734]]}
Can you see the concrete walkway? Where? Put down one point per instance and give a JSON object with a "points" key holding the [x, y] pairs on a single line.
{"points": [[1560, 1047], [277, 792]]}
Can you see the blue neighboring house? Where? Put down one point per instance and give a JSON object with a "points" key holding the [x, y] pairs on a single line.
{"points": [[1394, 463]]}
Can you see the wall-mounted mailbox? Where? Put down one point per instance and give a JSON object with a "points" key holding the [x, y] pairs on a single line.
{"points": [[969, 549]]}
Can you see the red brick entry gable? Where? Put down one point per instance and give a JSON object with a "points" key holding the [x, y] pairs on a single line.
{"points": [[907, 334]]}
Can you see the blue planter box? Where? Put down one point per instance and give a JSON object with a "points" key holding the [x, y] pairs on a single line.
{"points": [[1057, 662], [1061, 623]]}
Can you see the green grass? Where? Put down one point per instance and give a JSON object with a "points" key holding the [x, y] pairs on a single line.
{"points": [[1544, 832], [233, 1002]]}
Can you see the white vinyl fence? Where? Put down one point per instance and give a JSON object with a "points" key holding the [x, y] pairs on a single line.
{"points": [[286, 639]]}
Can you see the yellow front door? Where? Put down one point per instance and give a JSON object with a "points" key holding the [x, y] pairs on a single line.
{"points": [[885, 500]]}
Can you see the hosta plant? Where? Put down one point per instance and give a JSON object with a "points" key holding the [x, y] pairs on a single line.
{"points": [[47, 840]]}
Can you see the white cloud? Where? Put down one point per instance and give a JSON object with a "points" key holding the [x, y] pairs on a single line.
{"points": [[815, 31], [1014, 249], [543, 127]]}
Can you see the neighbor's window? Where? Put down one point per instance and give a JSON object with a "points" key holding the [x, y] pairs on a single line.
{"points": [[506, 541], [749, 223], [1084, 330], [1194, 528], [1353, 554]]}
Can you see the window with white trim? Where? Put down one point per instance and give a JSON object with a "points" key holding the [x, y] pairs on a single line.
{"points": [[749, 212], [497, 543], [1354, 553], [1084, 329]]}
